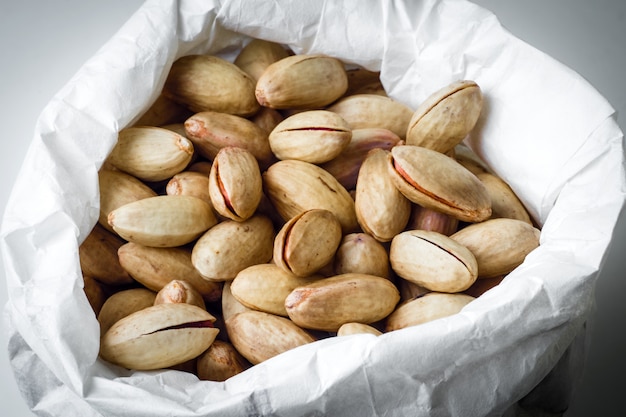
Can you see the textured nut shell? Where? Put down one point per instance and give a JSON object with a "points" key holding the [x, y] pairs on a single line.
{"points": [[257, 55], [259, 336], [163, 221], [429, 307], [357, 328], [203, 82], [194, 184], [156, 267], [374, 111], [445, 118], [504, 201], [499, 245], [230, 305], [328, 303], [220, 361], [361, 253], [116, 189], [235, 184], [98, 257], [265, 287], [315, 136], [122, 304], [145, 340], [302, 82], [230, 246], [296, 186], [427, 219], [179, 291], [433, 260], [381, 209], [307, 242], [151, 153], [438, 182]]}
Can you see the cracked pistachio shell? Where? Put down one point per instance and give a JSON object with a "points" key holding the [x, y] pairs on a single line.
{"points": [[158, 337], [294, 186], [429, 307], [445, 118], [307, 242], [361, 253], [265, 287], [328, 303], [235, 184], [210, 83], [259, 336], [433, 261], [302, 82], [499, 245], [315, 136], [381, 209], [151, 153], [436, 181], [230, 246], [504, 201], [163, 221]]}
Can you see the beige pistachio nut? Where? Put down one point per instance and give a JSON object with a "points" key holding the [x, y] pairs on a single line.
{"points": [[429, 307], [265, 287], [212, 131], [220, 361], [294, 186], [202, 167], [230, 246], [123, 303], [151, 153], [230, 305], [210, 83], [468, 158], [235, 184], [179, 291], [117, 189], [504, 201], [163, 221], [95, 293], [345, 167], [98, 257], [191, 183], [315, 136], [361, 253], [423, 218], [163, 112], [257, 55], [302, 82], [328, 303], [435, 181], [267, 119], [363, 111], [433, 260], [158, 337], [154, 268], [348, 329], [446, 117], [381, 209], [259, 336], [307, 242], [359, 77], [499, 245]]}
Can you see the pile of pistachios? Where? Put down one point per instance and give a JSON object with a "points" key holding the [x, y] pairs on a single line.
{"points": [[269, 202]]}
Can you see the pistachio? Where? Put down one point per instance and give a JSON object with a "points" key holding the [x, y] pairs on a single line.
{"points": [[189, 183], [307, 242], [220, 361], [163, 112], [98, 257], [357, 328], [361, 253], [302, 82], [315, 136], [429, 307], [230, 305], [433, 260], [122, 304], [504, 201], [158, 337], [410, 290], [179, 291], [435, 181], [445, 118], [427, 219], [257, 55], [267, 119]]}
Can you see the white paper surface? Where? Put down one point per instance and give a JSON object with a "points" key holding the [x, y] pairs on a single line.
{"points": [[545, 130]]}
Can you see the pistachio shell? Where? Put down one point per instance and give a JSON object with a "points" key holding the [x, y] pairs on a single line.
{"points": [[163, 221], [235, 184], [307, 242], [259, 336], [315, 136], [98, 257], [163, 112], [230, 305], [435, 181], [189, 183], [267, 119], [504, 201], [433, 260], [210, 83], [499, 245], [179, 291], [256, 56], [429, 307], [445, 118], [302, 82], [423, 218], [328, 303], [357, 328], [361, 253], [151, 153], [159, 337], [220, 361], [122, 304]]}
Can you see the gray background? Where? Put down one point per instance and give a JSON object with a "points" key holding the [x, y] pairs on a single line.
{"points": [[43, 43]]}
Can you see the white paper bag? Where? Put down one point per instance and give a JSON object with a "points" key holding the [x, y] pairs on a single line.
{"points": [[544, 130]]}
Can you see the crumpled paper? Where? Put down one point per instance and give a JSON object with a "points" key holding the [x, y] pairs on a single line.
{"points": [[544, 129]]}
